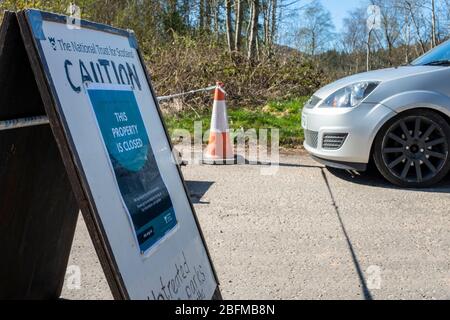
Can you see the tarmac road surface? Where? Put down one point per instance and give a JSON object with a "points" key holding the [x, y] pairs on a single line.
{"points": [[308, 233]]}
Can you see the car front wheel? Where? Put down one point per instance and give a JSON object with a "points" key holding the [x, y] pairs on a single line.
{"points": [[412, 149]]}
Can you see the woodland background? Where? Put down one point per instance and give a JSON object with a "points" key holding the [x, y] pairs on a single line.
{"points": [[271, 54]]}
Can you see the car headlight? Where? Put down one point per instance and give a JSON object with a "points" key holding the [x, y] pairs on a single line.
{"points": [[350, 96]]}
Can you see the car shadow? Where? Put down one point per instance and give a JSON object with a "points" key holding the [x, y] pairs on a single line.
{"points": [[374, 179]]}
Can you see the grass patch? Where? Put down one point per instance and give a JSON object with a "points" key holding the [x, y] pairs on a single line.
{"points": [[283, 115]]}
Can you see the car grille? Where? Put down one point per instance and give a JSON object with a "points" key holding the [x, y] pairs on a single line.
{"points": [[311, 138], [333, 141]]}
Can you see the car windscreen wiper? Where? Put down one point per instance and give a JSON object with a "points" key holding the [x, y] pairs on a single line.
{"points": [[438, 63]]}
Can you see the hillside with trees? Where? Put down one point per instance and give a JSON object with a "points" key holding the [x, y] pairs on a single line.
{"points": [[263, 49], [271, 54]]}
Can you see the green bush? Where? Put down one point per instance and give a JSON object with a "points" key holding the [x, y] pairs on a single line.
{"points": [[186, 64]]}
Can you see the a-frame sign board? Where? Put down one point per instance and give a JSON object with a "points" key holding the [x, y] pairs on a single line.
{"points": [[105, 151]]}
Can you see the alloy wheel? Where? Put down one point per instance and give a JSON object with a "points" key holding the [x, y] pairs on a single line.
{"points": [[415, 149]]}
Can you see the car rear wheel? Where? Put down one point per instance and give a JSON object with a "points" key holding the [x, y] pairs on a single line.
{"points": [[412, 149]]}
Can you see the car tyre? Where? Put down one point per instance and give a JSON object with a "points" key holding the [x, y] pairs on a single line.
{"points": [[412, 149]]}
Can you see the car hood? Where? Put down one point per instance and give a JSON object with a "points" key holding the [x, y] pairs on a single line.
{"points": [[382, 75]]}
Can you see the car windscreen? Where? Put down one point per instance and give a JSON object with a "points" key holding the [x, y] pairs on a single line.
{"points": [[440, 54]]}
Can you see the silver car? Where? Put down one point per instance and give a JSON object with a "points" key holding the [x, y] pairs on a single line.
{"points": [[397, 117]]}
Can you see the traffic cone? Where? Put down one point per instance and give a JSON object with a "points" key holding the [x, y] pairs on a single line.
{"points": [[220, 149]]}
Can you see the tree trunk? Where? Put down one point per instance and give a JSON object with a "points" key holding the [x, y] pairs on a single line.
{"points": [[229, 26], [186, 12], [266, 17], [208, 15], [201, 14], [408, 39], [249, 23], [273, 28], [368, 51], [216, 11], [433, 25], [313, 44], [252, 45], [172, 6], [238, 28]]}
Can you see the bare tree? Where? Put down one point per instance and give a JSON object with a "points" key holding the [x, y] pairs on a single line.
{"points": [[391, 25], [269, 14], [274, 25], [238, 7], [413, 9], [208, 15], [265, 9], [433, 25], [186, 11], [215, 11], [201, 14], [354, 36], [406, 36], [315, 30], [252, 42], [229, 26]]}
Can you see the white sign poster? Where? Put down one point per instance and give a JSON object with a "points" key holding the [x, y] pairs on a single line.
{"points": [[100, 87]]}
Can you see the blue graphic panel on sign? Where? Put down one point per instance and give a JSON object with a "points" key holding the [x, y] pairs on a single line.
{"points": [[138, 177]]}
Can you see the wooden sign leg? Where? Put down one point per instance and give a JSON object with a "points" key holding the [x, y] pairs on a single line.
{"points": [[38, 211]]}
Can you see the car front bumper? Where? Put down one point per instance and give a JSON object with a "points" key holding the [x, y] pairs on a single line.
{"points": [[343, 137]]}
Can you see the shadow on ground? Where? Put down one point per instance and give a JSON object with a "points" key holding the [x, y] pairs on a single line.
{"points": [[197, 190], [280, 164], [374, 179]]}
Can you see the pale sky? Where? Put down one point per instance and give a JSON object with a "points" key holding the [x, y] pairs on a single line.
{"points": [[338, 9]]}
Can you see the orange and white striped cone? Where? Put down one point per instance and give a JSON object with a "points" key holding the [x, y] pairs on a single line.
{"points": [[220, 149]]}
